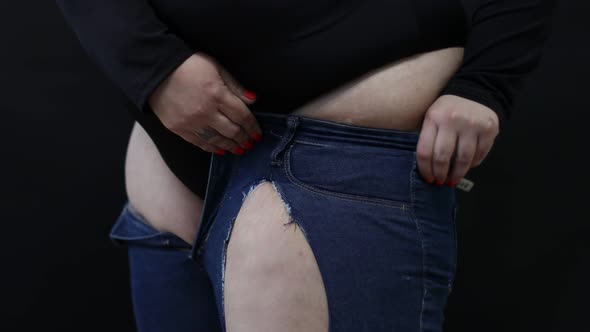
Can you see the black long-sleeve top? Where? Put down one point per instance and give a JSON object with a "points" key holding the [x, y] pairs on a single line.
{"points": [[289, 52]]}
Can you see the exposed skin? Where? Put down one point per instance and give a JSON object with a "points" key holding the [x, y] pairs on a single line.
{"points": [[401, 96]]}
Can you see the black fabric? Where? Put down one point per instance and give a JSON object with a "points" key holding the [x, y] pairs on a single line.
{"points": [[290, 52]]}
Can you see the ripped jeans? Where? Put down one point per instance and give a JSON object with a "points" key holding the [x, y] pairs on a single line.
{"points": [[383, 238]]}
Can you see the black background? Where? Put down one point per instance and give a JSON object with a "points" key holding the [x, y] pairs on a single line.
{"points": [[523, 230]]}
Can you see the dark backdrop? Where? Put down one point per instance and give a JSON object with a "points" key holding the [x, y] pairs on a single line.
{"points": [[523, 230]]}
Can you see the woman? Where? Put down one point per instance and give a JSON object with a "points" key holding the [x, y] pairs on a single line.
{"points": [[360, 113]]}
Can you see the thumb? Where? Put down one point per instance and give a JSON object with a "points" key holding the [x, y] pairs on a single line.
{"points": [[247, 96]]}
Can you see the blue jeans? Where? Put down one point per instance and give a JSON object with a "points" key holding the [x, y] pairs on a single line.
{"points": [[169, 291], [384, 239]]}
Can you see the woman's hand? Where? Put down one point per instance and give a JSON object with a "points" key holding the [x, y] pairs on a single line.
{"points": [[456, 135], [204, 105]]}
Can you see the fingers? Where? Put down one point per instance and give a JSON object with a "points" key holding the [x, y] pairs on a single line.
{"points": [[464, 154], [239, 114], [457, 134], [228, 128], [246, 96], [214, 138], [424, 150], [485, 143], [194, 140], [444, 147], [210, 140]]}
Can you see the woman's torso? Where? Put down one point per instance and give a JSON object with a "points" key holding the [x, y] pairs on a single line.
{"points": [[393, 96], [291, 52]]}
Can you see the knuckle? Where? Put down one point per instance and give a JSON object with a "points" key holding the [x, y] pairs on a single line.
{"points": [[445, 118], [480, 155], [462, 161], [423, 155], [454, 117], [233, 131], [243, 118], [198, 110], [463, 158], [441, 158], [214, 90], [489, 127]]}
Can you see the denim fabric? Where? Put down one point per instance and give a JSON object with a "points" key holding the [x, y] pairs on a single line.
{"points": [[170, 292], [383, 238]]}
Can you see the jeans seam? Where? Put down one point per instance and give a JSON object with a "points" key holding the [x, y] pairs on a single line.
{"points": [[164, 239], [212, 223], [421, 235], [382, 202], [214, 212], [456, 253], [302, 141]]}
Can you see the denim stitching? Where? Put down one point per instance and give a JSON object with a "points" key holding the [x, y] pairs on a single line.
{"points": [[421, 234], [302, 141], [313, 142], [223, 265], [210, 226], [212, 222], [165, 237], [197, 249], [455, 239], [292, 123], [377, 201]]}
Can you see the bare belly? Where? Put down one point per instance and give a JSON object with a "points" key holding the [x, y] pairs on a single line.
{"points": [[395, 96]]}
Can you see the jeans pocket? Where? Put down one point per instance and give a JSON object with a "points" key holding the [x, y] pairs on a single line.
{"points": [[355, 172], [132, 229]]}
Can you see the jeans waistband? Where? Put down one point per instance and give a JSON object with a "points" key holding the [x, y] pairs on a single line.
{"points": [[306, 128]]}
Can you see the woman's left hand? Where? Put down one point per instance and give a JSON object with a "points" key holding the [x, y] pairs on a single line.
{"points": [[456, 135]]}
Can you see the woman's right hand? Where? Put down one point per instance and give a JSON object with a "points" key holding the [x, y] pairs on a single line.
{"points": [[202, 103]]}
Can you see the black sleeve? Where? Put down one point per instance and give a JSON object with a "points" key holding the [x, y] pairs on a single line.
{"points": [[128, 42], [504, 44]]}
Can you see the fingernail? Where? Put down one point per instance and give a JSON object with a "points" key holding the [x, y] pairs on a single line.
{"points": [[220, 152], [429, 181], [452, 184], [247, 144], [249, 94], [256, 137], [238, 150], [439, 183]]}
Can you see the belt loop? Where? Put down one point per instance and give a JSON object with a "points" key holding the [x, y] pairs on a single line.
{"points": [[292, 123]]}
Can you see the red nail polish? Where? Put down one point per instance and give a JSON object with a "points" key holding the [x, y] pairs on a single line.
{"points": [[249, 94], [238, 150], [247, 145], [452, 184], [220, 152], [256, 137], [429, 181], [439, 183]]}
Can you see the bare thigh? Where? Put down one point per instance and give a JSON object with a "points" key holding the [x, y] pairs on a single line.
{"points": [[272, 281], [156, 192]]}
